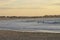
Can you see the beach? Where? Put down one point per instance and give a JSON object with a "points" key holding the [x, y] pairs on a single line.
{"points": [[15, 35]]}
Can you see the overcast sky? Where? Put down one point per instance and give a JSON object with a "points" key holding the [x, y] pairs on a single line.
{"points": [[29, 7]]}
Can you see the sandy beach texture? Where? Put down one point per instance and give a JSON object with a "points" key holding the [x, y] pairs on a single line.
{"points": [[15, 35]]}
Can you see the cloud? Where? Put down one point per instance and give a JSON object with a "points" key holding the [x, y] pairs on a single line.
{"points": [[56, 4], [4, 1]]}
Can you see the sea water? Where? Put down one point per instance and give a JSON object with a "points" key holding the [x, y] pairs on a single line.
{"points": [[31, 24]]}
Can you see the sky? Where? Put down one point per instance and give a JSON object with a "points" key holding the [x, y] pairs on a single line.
{"points": [[29, 7]]}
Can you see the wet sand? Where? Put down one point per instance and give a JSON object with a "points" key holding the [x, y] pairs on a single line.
{"points": [[15, 35]]}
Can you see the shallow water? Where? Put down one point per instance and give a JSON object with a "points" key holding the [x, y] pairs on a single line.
{"points": [[29, 24]]}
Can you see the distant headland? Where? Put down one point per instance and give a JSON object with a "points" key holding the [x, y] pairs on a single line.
{"points": [[45, 16]]}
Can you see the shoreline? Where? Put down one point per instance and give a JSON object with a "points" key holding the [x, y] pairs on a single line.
{"points": [[43, 31]]}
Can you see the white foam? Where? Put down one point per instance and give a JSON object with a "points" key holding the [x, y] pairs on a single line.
{"points": [[47, 31]]}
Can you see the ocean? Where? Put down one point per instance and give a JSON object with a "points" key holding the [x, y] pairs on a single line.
{"points": [[45, 24]]}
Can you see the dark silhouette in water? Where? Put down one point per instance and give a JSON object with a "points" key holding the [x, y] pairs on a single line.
{"points": [[49, 22]]}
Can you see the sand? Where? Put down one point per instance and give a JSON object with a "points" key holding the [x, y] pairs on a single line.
{"points": [[15, 35]]}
